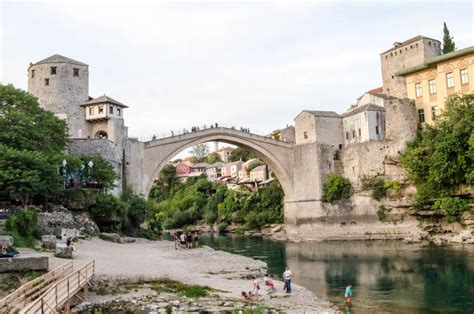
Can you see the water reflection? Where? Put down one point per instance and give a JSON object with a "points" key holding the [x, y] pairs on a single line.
{"points": [[387, 276]]}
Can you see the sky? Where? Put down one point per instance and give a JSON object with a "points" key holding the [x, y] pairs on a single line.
{"points": [[240, 63]]}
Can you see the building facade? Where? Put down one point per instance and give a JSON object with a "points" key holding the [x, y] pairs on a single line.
{"points": [[429, 83]]}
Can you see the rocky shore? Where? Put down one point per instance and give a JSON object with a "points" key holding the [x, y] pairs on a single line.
{"points": [[227, 275]]}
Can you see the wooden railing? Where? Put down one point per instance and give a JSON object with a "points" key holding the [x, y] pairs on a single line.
{"points": [[19, 298], [62, 291]]}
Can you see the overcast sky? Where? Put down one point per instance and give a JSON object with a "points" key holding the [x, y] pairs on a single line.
{"points": [[255, 64]]}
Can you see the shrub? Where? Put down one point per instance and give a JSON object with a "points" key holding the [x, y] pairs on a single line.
{"points": [[450, 205], [379, 187], [336, 188], [382, 212], [222, 227], [25, 222], [108, 212]]}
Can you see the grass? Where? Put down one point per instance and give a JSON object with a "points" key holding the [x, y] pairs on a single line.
{"points": [[20, 241], [162, 285], [62, 255]]}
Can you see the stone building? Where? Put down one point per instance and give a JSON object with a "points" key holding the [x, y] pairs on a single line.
{"points": [[409, 53], [95, 125], [429, 83]]}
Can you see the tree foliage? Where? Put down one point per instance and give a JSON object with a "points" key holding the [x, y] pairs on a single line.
{"points": [[24, 125], [448, 41], [442, 157], [241, 154], [213, 158], [200, 151], [336, 188]]}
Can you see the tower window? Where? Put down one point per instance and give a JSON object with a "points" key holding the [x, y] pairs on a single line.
{"points": [[360, 133], [75, 72], [305, 134], [429, 43], [32, 73], [91, 111], [111, 110], [353, 134], [421, 115], [53, 70], [46, 82], [101, 109], [118, 111], [347, 135], [464, 77], [377, 130], [450, 80]]}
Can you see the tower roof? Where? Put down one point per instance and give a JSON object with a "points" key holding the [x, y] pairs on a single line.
{"points": [[59, 59], [102, 100], [397, 45]]}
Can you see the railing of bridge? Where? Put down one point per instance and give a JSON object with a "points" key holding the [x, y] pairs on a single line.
{"points": [[28, 292], [61, 291]]}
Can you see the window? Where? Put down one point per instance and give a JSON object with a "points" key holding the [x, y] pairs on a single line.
{"points": [[101, 109], [305, 134], [46, 82], [377, 129], [464, 77], [32, 73], [53, 70], [91, 111], [75, 72], [118, 111], [433, 113], [432, 86], [450, 80], [418, 90], [111, 110], [347, 135], [360, 133], [421, 115], [353, 134]]}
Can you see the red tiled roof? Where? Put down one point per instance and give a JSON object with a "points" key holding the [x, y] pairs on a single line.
{"points": [[376, 91]]}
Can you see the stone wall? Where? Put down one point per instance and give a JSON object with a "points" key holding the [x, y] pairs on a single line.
{"points": [[22, 262], [64, 94]]}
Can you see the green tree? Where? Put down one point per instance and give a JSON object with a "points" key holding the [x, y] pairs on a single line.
{"points": [[336, 188], [213, 158], [200, 151], [442, 157], [26, 174], [102, 171], [448, 42], [240, 154], [24, 125]]}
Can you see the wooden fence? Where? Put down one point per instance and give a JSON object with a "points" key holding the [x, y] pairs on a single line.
{"points": [[28, 292], [62, 291]]}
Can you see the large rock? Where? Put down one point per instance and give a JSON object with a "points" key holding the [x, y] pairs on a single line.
{"points": [[19, 263], [61, 218], [63, 250], [6, 241], [112, 237], [49, 242]]}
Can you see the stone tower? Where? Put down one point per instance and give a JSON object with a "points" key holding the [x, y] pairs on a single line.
{"points": [[61, 86], [409, 53]]}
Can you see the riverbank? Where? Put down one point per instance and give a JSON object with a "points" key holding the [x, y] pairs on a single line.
{"points": [[226, 274]]}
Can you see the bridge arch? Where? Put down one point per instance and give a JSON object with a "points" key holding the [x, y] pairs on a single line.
{"points": [[277, 155]]}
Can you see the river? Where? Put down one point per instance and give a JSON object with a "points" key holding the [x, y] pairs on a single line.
{"points": [[387, 276]]}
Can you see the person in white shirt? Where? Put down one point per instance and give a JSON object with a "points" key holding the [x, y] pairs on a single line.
{"points": [[287, 278], [256, 287]]}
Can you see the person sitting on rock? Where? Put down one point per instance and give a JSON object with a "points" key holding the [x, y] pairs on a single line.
{"points": [[269, 282], [69, 244]]}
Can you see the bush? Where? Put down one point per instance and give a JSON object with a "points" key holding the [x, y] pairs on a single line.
{"points": [[379, 187], [222, 227], [336, 188], [24, 222], [451, 206], [382, 212], [108, 212]]}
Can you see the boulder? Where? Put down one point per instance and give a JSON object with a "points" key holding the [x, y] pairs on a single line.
{"points": [[69, 233], [63, 250], [277, 228], [112, 237], [49, 242], [6, 241]]}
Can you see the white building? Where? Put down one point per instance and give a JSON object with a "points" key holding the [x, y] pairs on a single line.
{"points": [[235, 167], [214, 171], [365, 121]]}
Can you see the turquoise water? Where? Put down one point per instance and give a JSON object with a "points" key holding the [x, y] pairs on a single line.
{"points": [[387, 276]]}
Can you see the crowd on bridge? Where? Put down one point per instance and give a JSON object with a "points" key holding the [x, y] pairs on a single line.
{"points": [[199, 128]]}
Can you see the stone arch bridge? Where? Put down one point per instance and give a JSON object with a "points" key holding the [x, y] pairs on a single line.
{"points": [[299, 168]]}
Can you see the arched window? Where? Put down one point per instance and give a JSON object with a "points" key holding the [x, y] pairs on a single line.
{"points": [[102, 135]]}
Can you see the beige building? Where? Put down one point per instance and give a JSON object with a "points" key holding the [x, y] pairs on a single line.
{"points": [[431, 82], [259, 173]]}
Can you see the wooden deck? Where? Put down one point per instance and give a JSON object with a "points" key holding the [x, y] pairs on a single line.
{"points": [[28, 292]]}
